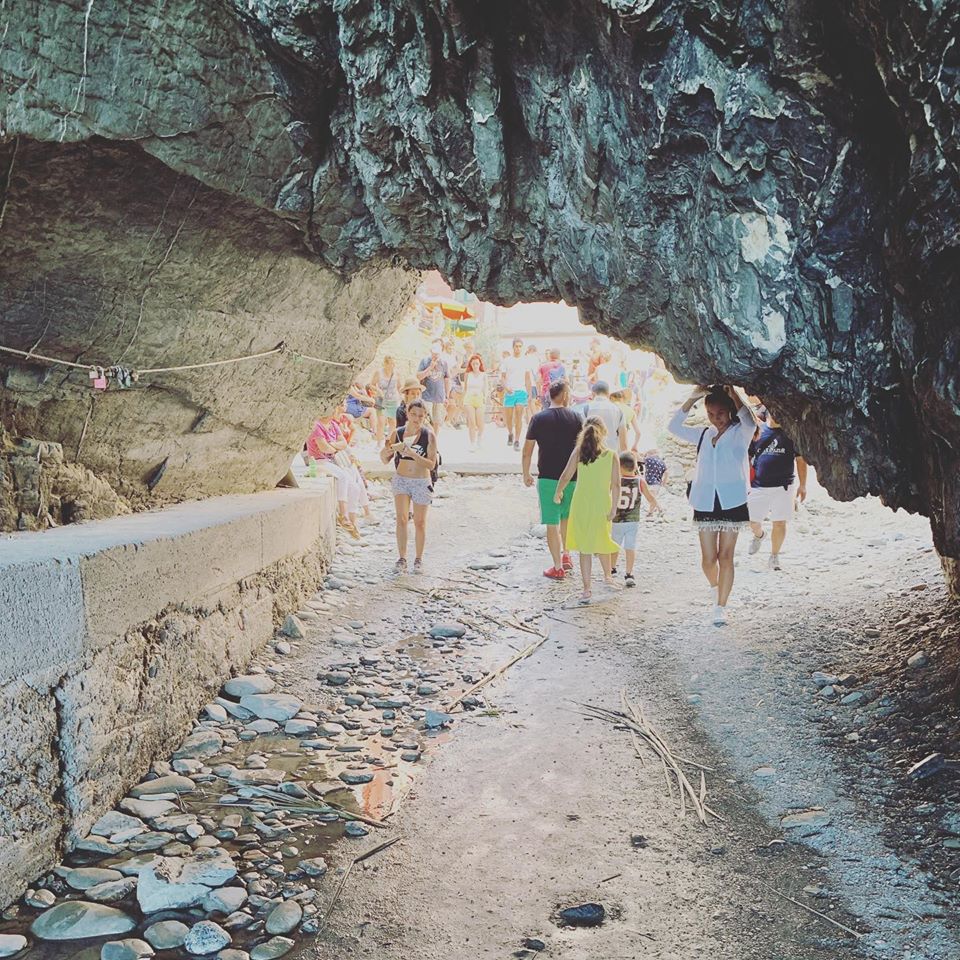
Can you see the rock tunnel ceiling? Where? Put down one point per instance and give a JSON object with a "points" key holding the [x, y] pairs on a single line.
{"points": [[762, 191]]}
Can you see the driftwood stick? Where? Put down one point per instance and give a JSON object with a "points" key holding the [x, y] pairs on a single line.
{"points": [[816, 913], [346, 875], [497, 673]]}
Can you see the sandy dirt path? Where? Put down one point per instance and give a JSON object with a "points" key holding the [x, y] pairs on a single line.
{"points": [[530, 807]]}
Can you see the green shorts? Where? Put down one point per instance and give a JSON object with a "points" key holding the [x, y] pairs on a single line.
{"points": [[552, 513]]}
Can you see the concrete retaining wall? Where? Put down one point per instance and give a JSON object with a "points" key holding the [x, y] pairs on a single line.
{"points": [[113, 634]]}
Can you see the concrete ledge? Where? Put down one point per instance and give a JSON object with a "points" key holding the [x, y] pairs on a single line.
{"points": [[114, 634]]}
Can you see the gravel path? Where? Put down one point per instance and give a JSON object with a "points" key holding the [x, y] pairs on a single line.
{"points": [[519, 806]]}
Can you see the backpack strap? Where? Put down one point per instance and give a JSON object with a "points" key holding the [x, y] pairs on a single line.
{"points": [[700, 441]]}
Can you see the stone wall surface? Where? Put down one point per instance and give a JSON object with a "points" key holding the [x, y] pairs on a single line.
{"points": [[763, 191], [113, 636]]}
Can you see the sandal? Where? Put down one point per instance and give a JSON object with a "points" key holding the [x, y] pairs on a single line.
{"points": [[400, 566], [418, 565]]}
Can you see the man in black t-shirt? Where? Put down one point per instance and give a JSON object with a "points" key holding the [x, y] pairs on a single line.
{"points": [[554, 433]]}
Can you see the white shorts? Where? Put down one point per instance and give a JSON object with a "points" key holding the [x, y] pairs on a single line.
{"points": [[418, 489], [773, 502], [625, 534]]}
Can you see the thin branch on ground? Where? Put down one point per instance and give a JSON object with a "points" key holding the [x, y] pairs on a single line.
{"points": [[816, 913], [499, 672]]}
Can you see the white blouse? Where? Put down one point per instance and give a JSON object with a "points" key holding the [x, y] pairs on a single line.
{"points": [[722, 471]]}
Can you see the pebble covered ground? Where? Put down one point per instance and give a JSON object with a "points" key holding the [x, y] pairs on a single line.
{"points": [[238, 844]]}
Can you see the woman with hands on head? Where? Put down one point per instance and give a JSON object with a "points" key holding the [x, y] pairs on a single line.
{"points": [[721, 482]]}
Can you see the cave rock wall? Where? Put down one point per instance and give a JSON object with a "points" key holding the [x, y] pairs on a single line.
{"points": [[763, 191]]}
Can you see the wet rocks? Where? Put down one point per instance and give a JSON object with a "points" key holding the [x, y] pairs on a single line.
{"points": [[166, 934], [79, 920], [206, 937], [115, 822], [200, 744], [11, 944], [132, 949], [279, 707], [173, 783], [171, 883], [297, 727], [147, 809], [353, 778], [113, 891], [273, 948], [284, 917], [314, 867], [224, 901], [434, 719], [81, 878], [40, 899], [446, 631]]}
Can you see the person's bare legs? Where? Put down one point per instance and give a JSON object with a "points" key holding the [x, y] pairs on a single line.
{"points": [[709, 549], [757, 529], [480, 413], [727, 545], [607, 566], [420, 527], [563, 535], [554, 545], [471, 423], [437, 416], [630, 558], [778, 535], [401, 503], [586, 573]]}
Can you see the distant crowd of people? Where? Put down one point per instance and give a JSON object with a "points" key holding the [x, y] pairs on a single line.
{"points": [[747, 470], [462, 388], [591, 479]]}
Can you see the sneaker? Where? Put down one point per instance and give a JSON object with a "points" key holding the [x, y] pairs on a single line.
{"points": [[509, 439], [719, 615], [755, 544], [628, 580], [566, 561], [554, 573], [418, 565], [400, 566], [516, 445], [613, 571], [775, 561]]}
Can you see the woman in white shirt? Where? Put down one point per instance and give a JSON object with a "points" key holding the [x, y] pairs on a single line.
{"points": [[721, 482]]}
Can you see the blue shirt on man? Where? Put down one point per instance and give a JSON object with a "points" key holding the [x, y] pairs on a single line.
{"points": [[774, 457]]}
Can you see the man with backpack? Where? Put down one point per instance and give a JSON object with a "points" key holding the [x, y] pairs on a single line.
{"points": [[554, 432], [774, 486]]}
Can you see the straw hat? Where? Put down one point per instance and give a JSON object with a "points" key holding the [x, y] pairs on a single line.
{"points": [[411, 383]]}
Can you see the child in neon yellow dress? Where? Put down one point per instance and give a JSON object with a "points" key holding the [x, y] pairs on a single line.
{"points": [[594, 502]]}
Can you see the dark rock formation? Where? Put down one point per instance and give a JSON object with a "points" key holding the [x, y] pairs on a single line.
{"points": [[762, 191]]}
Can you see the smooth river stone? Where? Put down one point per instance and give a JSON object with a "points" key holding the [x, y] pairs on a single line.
{"points": [[78, 920]]}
